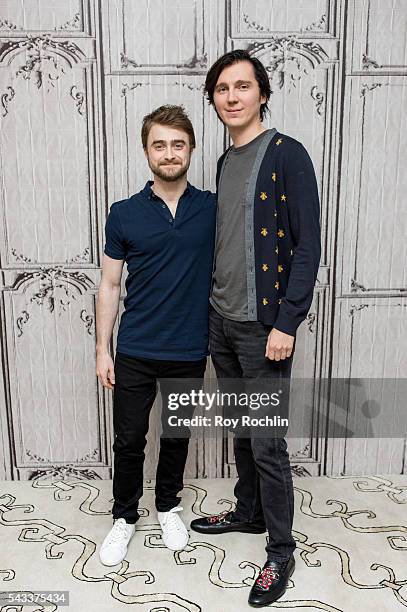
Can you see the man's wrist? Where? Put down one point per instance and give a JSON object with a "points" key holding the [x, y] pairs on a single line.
{"points": [[102, 349]]}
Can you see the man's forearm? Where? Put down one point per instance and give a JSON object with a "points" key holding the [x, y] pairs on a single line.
{"points": [[107, 307]]}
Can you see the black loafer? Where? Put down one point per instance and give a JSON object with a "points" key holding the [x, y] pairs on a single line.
{"points": [[271, 583], [225, 522]]}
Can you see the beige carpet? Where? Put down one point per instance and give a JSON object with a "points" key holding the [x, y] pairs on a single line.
{"points": [[351, 552]]}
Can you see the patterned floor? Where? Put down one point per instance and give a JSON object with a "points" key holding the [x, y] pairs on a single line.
{"points": [[350, 533]]}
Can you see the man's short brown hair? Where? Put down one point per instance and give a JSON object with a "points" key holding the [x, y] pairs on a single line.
{"points": [[171, 115]]}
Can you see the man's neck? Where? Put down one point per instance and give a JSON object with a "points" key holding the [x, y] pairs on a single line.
{"points": [[169, 191], [241, 136]]}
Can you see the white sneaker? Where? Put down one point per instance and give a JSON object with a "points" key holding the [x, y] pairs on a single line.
{"points": [[175, 534], [114, 546]]}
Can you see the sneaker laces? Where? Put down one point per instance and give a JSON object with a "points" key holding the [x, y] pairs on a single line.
{"points": [[173, 522], [219, 518], [118, 532], [266, 577]]}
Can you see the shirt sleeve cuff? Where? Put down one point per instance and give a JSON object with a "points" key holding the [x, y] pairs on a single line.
{"points": [[286, 323]]}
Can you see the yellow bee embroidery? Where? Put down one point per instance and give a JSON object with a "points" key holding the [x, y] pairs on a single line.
{"points": [[280, 268], [277, 250], [265, 301], [264, 231], [280, 233], [277, 285], [263, 196], [283, 198], [265, 267], [279, 141], [274, 177]]}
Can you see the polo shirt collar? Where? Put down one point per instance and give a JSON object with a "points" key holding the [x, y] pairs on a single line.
{"points": [[150, 195]]}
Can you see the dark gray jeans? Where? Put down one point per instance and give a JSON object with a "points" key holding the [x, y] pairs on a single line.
{"points": [[264, 490]]}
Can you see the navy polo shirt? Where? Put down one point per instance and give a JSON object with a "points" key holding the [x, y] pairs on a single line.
{"points": [[169, 262]]}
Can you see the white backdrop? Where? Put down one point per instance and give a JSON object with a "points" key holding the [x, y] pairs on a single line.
{"points": [[76, 78]]}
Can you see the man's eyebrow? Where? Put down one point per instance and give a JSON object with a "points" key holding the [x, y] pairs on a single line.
{"points": [[175, 141], [239, 82]]}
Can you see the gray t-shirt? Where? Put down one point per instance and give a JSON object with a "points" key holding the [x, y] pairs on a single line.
{"points": [[229, 292]]}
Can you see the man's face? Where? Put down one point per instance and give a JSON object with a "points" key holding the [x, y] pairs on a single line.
{"points": [[237, 95], [168, 152]]}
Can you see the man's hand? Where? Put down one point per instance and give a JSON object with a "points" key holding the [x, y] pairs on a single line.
{"points": [[105, 369], [279, 345]]}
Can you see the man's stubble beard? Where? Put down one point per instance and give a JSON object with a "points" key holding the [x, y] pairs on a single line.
{"points": [[169, 178]]}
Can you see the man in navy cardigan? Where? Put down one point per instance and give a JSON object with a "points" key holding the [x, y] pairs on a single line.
{"points": [[266, 262]]}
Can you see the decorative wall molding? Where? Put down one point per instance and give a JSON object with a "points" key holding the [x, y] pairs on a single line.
{"points": [[319, 98], [55, 291], [290, 58], [253, 25], [71, 20], [71, 24], [21, 257], [315, 26], [257, 27], [196, 62], [84, 256], [63, 472], [161, 53], [355, 308], [5, 24], [261, 20], [126, 88], [300, 470], [368, 62], [191, 86], [92, 456], [42, 63], [311, 318], [22, 320], [303, 452], [355, 286], [6, 99], [369, 51], [89, 321], [39, 49], [365, 88], [79, 97]]}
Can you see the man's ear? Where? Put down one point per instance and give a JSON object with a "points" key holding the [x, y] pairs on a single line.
{"points": [[145, 152]]}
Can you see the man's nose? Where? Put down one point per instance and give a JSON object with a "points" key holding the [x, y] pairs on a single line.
{"points": [[169, 153], [232, 95]]}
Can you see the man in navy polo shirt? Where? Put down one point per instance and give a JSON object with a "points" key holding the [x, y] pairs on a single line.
{"points": [[165, 233]]}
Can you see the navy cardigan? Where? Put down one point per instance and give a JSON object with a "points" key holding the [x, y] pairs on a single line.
{"points": [[286, 234]]}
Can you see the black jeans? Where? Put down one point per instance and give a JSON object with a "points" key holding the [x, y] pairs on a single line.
{"points": [[264, 490], [134, 393]]}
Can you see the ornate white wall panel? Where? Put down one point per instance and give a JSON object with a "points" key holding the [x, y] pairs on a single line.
{"points": [[161, 37], [368, 344], [50, 166], [373, 234], [313, 18], [369, 310], [377, 31]]}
